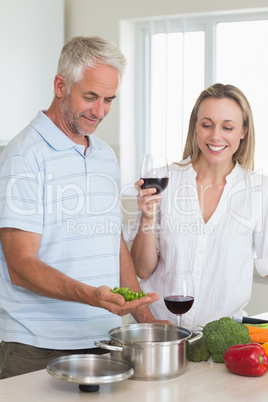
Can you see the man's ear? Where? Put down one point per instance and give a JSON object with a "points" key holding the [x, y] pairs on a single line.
{"points": [[59, 86]]}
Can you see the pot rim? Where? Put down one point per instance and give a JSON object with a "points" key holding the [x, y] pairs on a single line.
{"points": [[150, 343]]}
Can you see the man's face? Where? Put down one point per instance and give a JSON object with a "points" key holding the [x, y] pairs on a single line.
{"points": [[89, 100]]}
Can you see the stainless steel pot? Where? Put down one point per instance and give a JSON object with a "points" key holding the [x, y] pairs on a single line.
{"points": [[156, 351]]}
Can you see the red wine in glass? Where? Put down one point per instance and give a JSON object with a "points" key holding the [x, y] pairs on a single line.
{"points": [[179, 304], [159, 183], [154, 172], [179, 292]]}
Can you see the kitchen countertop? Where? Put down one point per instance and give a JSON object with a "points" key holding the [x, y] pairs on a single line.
{"points": [[204, 381]]}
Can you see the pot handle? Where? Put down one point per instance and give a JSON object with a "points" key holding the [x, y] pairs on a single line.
{"points": [[108, 346], [198, 336]]}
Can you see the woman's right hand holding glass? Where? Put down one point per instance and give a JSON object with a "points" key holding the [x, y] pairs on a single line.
{"points": [[148, 201]]}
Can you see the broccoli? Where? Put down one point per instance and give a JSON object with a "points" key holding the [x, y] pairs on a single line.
{"points": [[222, 334], [219, 335], [198, 351]]}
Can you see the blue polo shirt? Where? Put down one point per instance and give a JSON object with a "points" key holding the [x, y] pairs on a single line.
{"points": [[48, 186]]}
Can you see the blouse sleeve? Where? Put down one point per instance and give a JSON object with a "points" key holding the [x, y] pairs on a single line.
{"points": [[260, 236]]}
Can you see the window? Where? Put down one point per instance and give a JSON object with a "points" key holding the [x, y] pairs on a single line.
{"points": [[181, 56], [242, 59], [174, 83]]}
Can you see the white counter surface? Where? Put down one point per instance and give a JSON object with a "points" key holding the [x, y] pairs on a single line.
{"points": [[205, 381]]}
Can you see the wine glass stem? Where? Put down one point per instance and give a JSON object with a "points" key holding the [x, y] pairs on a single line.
{"points": [[179, 320], [154, 209]]}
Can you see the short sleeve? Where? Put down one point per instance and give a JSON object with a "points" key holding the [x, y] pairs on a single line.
{"points": [[21, 200]]}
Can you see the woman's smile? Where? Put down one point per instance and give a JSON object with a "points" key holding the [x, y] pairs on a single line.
{"points": [[216, 148]]}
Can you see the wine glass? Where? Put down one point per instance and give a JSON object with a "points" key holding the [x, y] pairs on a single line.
{"points": [[179, 292], [155, 174]]}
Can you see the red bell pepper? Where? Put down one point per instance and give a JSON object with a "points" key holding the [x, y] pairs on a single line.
{"points": [[249, 359]]}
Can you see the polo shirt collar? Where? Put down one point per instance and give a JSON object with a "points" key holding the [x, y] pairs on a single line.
{"points": [[51, 133], [56, 138]]}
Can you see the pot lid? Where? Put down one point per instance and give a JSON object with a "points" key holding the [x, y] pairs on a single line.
{"points": [[89, 369]]}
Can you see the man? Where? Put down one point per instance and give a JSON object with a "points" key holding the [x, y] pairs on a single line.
{"points": [[60, 220]]}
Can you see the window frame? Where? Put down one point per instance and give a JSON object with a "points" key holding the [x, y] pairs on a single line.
{"points": [[206, 22]]}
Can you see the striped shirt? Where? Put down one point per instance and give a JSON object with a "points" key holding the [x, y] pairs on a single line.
{"points": [[48, 186]]}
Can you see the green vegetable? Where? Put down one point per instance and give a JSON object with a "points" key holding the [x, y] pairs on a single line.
{"points": [[198, 351], [222, 334], [128, 294], [219, 335], [264, 325]]}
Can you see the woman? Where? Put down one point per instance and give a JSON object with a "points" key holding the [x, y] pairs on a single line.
{"points": [[213, 214]]}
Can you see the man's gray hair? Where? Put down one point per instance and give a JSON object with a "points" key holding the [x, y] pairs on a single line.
{"points": [[85, 52]]}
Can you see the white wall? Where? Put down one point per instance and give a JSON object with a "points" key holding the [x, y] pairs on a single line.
{"points": [[259, 297], [31, 37]]}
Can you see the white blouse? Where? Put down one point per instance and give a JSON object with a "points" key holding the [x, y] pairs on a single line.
{"points": [[220, 253]]}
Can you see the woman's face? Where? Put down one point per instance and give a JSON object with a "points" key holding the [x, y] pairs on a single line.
{"points": [[219, 129]]}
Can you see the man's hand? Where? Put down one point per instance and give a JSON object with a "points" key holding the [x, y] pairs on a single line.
{"points": [[116, 303]]}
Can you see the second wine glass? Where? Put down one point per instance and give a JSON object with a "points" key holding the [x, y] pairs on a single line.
{"points": [[179, 292], [155, 174]]}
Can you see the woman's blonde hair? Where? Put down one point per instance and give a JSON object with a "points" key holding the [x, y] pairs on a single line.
{"points": [[245, 152]]}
